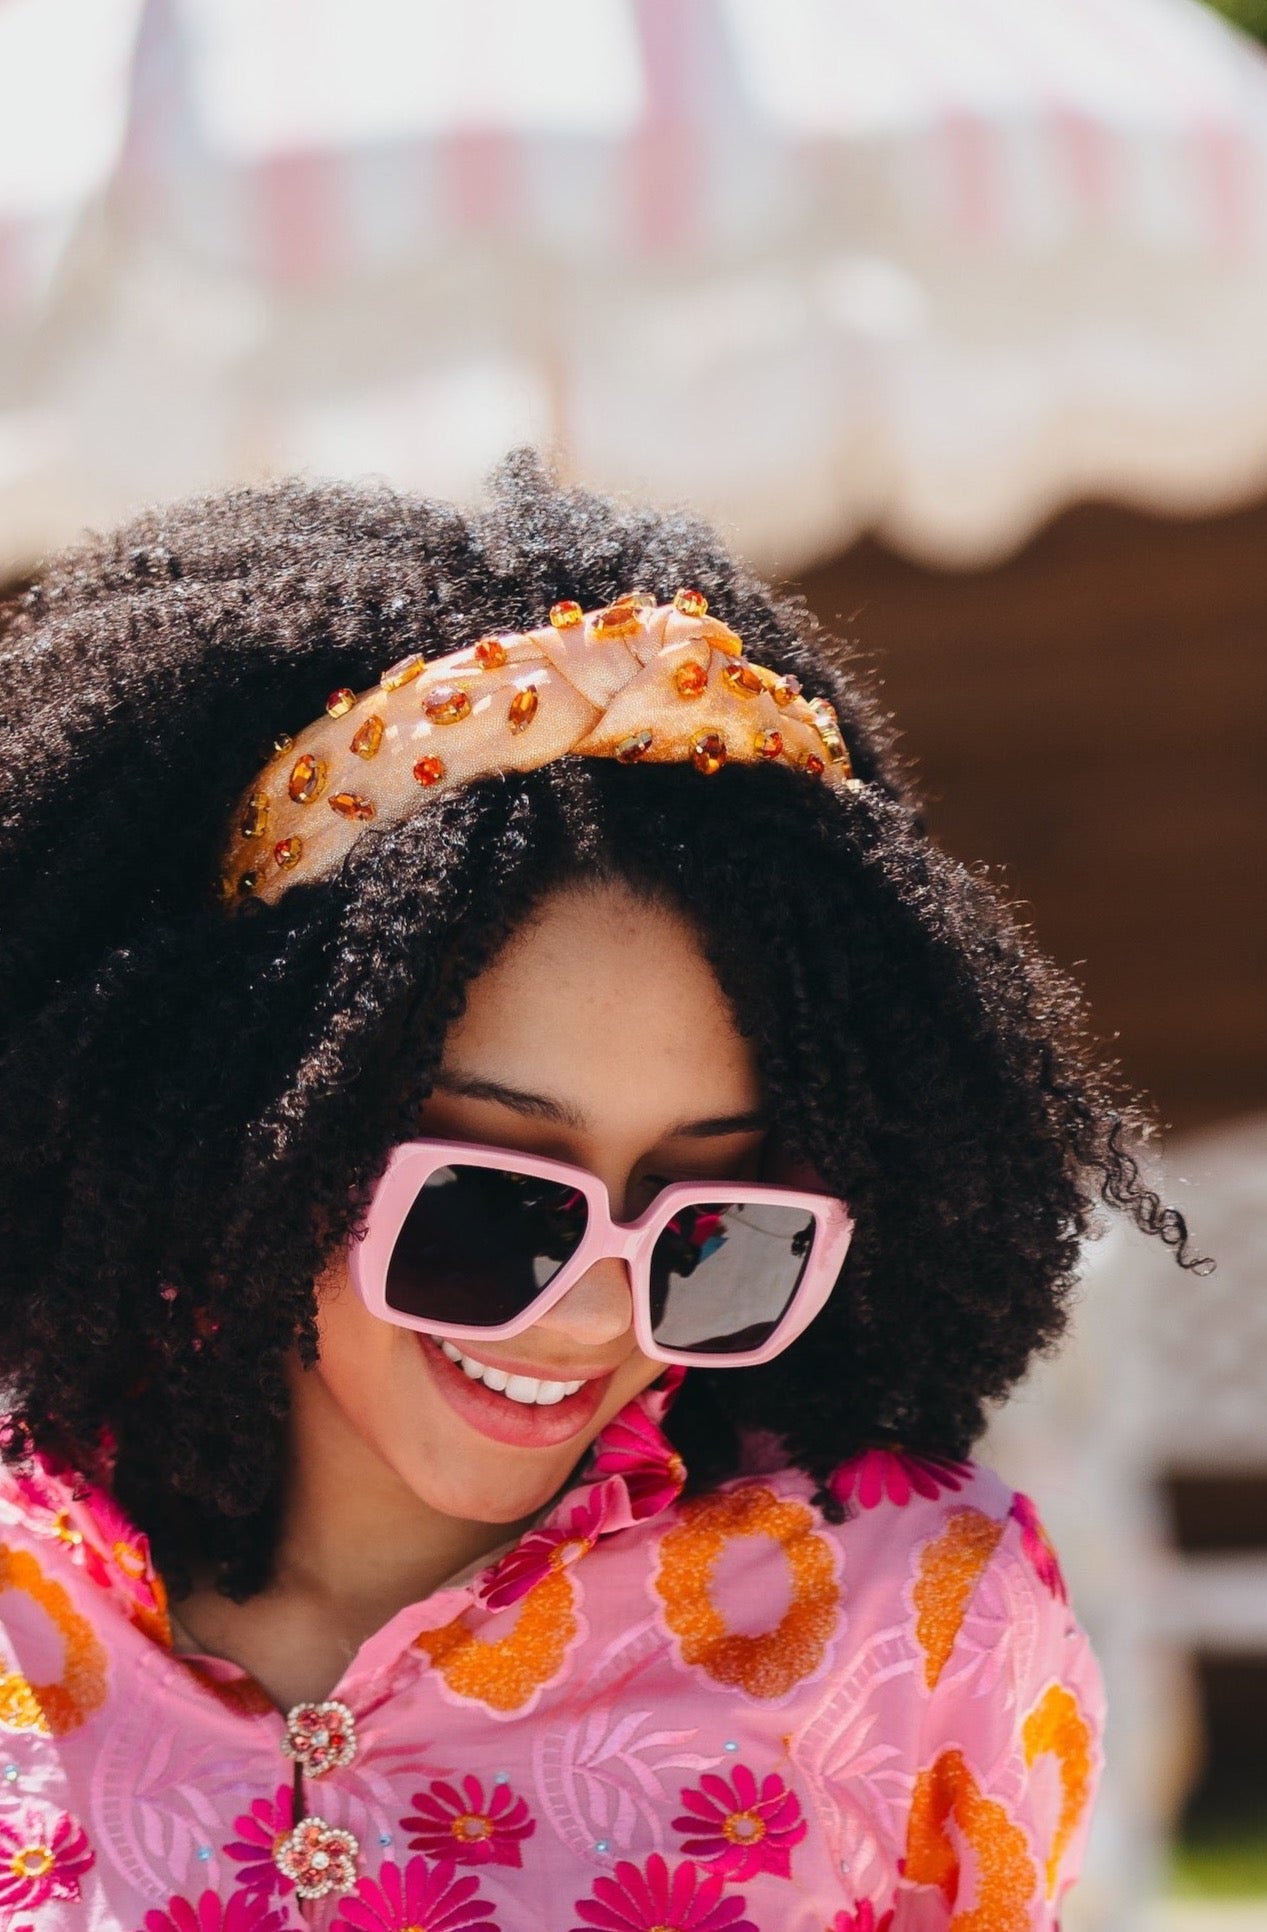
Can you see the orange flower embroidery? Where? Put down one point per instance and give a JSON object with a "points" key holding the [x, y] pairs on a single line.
{"points": [[948, 1569], [505, 1673], [1003, 1870], [56, 1708], [1057, 1725], [767, 1665]]}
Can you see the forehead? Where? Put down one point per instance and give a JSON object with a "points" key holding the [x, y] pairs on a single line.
{"points": [[606, 1002]]}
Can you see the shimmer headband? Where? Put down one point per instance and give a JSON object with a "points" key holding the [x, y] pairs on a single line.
{"points": [[638, 681]]}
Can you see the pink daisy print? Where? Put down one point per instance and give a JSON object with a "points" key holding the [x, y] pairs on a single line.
{"points": [[260, 1831], [548, 1548], [861, 1919], [654, 1900], [634, 1449], [738, 1830], [1037, 1546], [422, 1898], [460, 1826], [241, 1912], [895, 1473], [43, 1855]]}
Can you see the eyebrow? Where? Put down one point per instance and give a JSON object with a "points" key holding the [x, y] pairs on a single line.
{"points": [[540, 1106]]}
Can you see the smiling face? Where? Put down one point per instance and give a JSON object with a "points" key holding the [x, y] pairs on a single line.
{"points": [[601, 1037]]}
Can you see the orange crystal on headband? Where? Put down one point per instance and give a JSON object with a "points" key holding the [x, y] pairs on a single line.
{"points": [[446, 704], [490, 653], [708, 753], [429, 771], [690, 680], [307, 779], [523, 708], [340, 702], [351, 805], [367, 738]]}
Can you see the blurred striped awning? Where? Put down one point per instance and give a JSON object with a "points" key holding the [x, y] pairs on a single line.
{"points": [[929, 267]]}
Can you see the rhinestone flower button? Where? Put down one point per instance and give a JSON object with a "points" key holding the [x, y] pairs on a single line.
{"points": [[320, 1737], [317, 1857]]}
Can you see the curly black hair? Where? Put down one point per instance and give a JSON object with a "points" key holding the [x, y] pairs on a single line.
{"points": [[200, 1103]]}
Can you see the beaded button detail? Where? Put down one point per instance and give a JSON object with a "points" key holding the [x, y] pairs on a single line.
{"points": [[318, 1858], [320, 1737]]}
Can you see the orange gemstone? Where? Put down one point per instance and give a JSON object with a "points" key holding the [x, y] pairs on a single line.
{"points": [[708, 753], [786, 689], [446, 704], [523, 708], [491, 653], [690, 680], [637, 600], [340, 702], [307, 779], [691, 603], [740, 678], [429, 771], [769, 744], [566, 615], [631, 749], [248, 882], [283, 741], [351, 805], [621, 619], [813, 764], [367, 738], [255, 817], [404, 671], [288, 852]]}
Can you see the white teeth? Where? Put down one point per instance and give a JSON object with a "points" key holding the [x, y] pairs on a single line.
{"points": [[520, 1388]]}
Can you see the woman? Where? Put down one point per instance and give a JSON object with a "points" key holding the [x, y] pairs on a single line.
{"points": [[517, 1193]]}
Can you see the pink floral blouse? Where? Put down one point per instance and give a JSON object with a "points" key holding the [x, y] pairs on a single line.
{"points": [[721, 1715]]}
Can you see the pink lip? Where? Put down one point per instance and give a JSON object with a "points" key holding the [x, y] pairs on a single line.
{"points": [[519, 1425]]}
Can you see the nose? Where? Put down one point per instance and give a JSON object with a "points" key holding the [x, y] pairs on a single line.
{"points": [[596, 1310]]}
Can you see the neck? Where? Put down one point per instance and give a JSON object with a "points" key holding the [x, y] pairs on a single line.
{"points": [[354, 1538]]}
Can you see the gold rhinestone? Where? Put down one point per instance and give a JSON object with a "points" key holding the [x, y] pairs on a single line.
{"points": [[255, 817], [708, 753], [690, 680], [307, 779], [631, 749], [523, 708], [637, 600], [248, 882], [367, 738], [829, 730], [429, 771], [446, 704], [740, 679], [351, 805], [288, 852], [785, 689], [340, 702], [283, 741], [490, 653], [404, 671], [768, 744], [566, 615], [691, 603]]}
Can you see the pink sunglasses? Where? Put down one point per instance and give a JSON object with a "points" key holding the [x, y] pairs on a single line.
{"points": [[470, 1242]]}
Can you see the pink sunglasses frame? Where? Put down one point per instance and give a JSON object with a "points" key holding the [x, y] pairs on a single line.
{"points": [[412, 1163]]}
